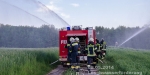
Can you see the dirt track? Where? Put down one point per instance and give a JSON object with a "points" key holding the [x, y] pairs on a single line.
{"points": [[83, 71], [58, 71]]}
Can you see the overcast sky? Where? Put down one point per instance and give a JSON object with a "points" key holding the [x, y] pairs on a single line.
{"points": [[107, 13]]}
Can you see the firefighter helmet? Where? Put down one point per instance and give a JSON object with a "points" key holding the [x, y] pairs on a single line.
{"points": [[71, 39], [77, 39], [91, 39]]}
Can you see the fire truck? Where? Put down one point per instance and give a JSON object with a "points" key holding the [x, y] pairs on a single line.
{"points": [[76, 31]]}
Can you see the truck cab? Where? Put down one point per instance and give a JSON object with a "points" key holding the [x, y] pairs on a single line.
{"points": [[76, 31]]}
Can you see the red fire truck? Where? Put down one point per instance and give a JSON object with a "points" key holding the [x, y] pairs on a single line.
{"points": [[75, 31]]}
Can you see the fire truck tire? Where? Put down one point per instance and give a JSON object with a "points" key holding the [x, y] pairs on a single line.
{"points": [[63, 64]]}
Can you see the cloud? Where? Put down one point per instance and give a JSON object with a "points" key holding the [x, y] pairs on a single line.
{"points": [[57, 10], [65, 15], [75, 5], [54, 8]]}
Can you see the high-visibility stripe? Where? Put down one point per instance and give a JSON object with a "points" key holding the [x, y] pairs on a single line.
{"points": [[90, 45], [72, 67], [86, 48], [91, 55], [68, 44], [95, 48], [103, 49], [68, 63], [98, 50], [88, 65], [74, 44], [94, 62], [98, 44], [77, 67], [79, 51]]}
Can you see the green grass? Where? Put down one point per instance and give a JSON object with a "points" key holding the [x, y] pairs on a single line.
{"points": [[124, 60], [27, 61]]}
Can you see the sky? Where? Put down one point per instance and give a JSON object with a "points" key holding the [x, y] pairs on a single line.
{"points": [[90, 13], [107, 13]]}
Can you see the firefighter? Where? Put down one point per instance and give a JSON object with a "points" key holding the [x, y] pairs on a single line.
{"points": [[74, 53], [91, 55], [103, 48], [79, 46], [79, 52], [98, 51], [69, 48]]}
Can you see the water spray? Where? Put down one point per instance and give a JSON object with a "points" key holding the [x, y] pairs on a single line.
{"points": [[25, 11], [52, 17], [38, 2], [144, 28]]}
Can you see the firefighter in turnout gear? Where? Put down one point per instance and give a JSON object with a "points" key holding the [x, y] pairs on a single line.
{"points": [[98, 51], [69, 48], [74, 54], [91, 55], [103, 48], [79, 52]]}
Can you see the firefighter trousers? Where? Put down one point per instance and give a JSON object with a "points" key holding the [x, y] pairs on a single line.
{"points": [[69, 58], [74, 57], [90, 59]]}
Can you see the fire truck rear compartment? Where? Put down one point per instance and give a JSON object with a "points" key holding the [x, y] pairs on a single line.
{"points": [[82, 40]]}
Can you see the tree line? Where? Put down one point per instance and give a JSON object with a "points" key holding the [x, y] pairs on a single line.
{"points": [[47, 36], [141, 39], [28, 36]]}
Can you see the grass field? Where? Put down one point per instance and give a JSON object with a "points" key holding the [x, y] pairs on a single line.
{"points": [[36, 61], [121, 61], [130, 61], [27, 61]]}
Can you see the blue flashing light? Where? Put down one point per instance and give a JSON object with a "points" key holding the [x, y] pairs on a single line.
{"points": [[68, 28]]}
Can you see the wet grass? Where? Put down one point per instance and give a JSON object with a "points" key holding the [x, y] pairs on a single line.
{"points": [[27, 61]]}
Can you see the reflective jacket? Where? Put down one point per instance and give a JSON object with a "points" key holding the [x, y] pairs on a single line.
{"points": [[103, 45], [69, 47], [75, 47], [98, 45], [79, 48], [91, 48]]}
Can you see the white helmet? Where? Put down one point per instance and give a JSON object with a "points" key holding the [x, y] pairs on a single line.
{"points": [[71, 39], [91, 39], [77, 39]]}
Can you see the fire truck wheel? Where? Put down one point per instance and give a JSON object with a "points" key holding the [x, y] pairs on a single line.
{"points": [[63, 64]]}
